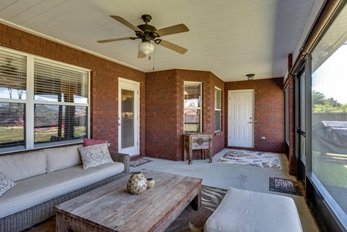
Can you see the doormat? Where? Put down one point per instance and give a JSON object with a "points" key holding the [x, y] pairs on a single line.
{"points": [[138, 162], [281, 185], [252, 158]]}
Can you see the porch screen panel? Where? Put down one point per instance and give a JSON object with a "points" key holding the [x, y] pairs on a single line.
{"points": [[329, 116]]}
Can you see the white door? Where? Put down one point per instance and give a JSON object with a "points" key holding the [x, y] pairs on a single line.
{"points": [[128, 117], [240, 118]]}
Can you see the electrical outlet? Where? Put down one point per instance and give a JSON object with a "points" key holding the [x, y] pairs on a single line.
{"points": [[263, 137]]}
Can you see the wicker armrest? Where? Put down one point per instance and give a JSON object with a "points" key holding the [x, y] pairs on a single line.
{"points": [[123, 158]]}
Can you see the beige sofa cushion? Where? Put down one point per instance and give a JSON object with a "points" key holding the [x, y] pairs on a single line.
{"points": [[23, 165], [38, 189], [243, 210], [62, 157]]}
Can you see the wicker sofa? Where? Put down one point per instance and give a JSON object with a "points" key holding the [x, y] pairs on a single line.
{"points": [[47, 177]]}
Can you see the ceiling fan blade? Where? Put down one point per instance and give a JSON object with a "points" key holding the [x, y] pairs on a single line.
{"points": [[125, 22], [116, 39], [179, 28], [141, 55], [173, 47]]}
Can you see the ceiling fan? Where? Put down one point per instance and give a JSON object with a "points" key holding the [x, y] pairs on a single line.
{"points": [[149, 35]]}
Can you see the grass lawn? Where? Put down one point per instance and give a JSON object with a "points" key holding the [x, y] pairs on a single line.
{"points": [[14, 134], [329, 172], [11, 134]]}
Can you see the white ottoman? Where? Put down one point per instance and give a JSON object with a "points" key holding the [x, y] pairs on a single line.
{"points": [[247, 211]]}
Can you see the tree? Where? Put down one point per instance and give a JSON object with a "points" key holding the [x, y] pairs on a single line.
{"points": [[317, 97]]}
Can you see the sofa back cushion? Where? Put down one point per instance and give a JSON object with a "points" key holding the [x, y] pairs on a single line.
{"points": [[62, 157], [23, 165]]}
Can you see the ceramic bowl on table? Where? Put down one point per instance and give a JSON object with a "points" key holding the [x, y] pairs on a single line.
{"points": [[150, 183]]}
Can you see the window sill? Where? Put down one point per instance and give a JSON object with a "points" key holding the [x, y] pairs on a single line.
{"points": [[9, 150]]}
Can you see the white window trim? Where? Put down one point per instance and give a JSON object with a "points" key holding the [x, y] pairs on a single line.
{"points": [[201, 102], [30, 102], [216, 109]]}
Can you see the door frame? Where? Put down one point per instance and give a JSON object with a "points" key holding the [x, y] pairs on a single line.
{"points": [[228, 123], [303, 169], [124, 83]]}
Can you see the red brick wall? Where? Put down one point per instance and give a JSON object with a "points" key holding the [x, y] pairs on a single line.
{"points": [[161, 111], [268, 112], [104, 81], [164, 111]]}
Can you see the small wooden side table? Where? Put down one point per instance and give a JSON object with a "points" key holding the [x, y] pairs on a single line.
{"points": [[197, 141]]}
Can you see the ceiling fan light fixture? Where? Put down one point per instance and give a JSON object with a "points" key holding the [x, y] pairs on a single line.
{"points": [[146, 47]]}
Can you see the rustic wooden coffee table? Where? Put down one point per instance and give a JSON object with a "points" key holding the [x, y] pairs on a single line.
{"points": [[112, 208]]}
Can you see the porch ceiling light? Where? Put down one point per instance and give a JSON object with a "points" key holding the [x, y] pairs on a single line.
{"points": [[146, 47]]}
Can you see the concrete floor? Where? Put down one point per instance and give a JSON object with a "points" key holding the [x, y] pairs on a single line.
{"points": [[222, 175]]}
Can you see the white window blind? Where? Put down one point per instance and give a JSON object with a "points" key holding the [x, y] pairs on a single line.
{"points": [[12, 76], [60, 111], [59, 84]]}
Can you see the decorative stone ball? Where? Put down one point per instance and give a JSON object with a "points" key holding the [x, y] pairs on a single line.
{"points": [[137, 183], [150, 183]]}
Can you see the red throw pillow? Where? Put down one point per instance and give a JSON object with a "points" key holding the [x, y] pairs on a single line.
{"points": [[89, 142]]}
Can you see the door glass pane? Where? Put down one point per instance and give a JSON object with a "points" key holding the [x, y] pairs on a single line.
{"points": [[302, 117], [127, 120], [329, 115]]}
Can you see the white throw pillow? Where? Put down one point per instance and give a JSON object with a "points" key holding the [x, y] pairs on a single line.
{"points": [[5, 184], [95, 155]]}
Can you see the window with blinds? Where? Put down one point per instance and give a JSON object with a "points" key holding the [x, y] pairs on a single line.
{"points": [[61, 98], [47, 104], [217, 109], [59, 84], [12, 76], [12, 99]]}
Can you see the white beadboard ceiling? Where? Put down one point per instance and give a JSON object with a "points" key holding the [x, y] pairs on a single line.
{"points": [[228, 37]]}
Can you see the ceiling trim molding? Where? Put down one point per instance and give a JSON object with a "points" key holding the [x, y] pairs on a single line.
{"points": [[30, 31]]}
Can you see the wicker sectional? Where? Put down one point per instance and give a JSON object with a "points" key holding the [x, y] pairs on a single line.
{"points": [[28, 217]]}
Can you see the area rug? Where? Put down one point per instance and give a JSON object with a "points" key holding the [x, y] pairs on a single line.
{"points": [[252, 158], [188, 221], [138, 162], [281, 185]]}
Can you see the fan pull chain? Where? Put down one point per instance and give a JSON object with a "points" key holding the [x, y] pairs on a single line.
{"points": [[153, 60]]}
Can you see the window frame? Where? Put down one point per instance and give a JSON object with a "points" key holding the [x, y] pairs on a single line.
{"points": [[218, 109], [29, 102], [199, 108], [19, 101]]}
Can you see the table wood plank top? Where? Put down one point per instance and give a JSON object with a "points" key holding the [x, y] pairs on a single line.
{"points": [[112, 208]]}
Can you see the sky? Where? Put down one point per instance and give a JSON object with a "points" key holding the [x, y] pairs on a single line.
{"points": [[331, 77]]}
